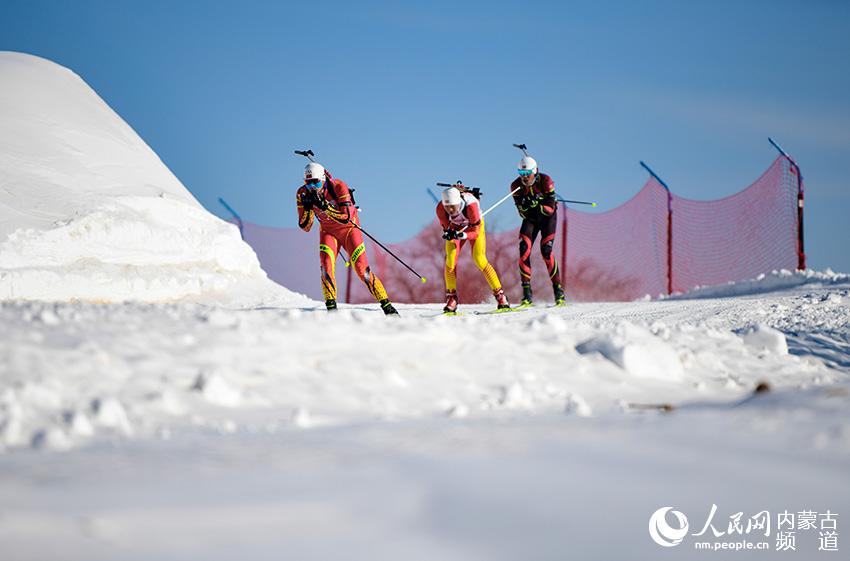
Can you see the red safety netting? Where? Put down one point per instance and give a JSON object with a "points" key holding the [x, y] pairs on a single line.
{"points": [[425, 253], [636, 249], [620, 254], [751, 232]]}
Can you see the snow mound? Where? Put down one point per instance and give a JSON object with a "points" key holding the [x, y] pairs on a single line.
{"points": [[767, 339], [89, 212], [216, 390], [771, 282], [637, 351]]}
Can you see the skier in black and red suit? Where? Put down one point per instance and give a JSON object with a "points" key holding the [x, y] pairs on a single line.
{"points": [[536, 203]]}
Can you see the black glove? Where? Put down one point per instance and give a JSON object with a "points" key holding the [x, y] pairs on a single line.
{"points": [[306, 201], [316, 200], [527, 202], [453, 235]]}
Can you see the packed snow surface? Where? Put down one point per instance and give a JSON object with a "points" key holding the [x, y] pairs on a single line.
{"points": [[73, 373], [290, 432], [89, 212]]}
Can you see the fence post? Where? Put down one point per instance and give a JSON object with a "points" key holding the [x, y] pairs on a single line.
{"points": [[669, 242], [235, 217], [564, 246], [795, 169], [669, 227]]}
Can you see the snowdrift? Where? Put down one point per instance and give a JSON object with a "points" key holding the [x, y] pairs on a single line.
{"points": [[772, 282], [89, 212]]}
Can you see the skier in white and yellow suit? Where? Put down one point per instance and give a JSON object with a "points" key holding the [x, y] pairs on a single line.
{"points": [[460, 216]]}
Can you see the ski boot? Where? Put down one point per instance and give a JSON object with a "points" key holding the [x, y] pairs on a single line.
{"points": [[388, 308], [559, 294], [501, 300], [451, 302], [330, 304], [526, 294]]}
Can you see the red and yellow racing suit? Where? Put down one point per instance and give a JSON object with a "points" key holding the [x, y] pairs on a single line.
{"points": [[337, 230]]}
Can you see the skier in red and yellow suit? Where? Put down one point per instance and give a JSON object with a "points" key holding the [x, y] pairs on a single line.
{"points": [[330, 201], [460, 216]]}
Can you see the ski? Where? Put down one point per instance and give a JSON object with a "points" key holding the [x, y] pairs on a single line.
{"points": [[441, 314], [500, 311]]}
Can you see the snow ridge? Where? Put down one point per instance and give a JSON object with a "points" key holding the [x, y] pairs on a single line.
{"points": [[89, 212], [763, 283]]}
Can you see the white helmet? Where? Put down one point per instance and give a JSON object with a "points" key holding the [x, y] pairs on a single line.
{"points": [[314, 171], [527, 162], [451, 196]]}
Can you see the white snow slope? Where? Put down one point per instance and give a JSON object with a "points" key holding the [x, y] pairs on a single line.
{"points": [[174, 427], [89, 212]]}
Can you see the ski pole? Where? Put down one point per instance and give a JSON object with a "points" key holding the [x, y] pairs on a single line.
{"points": [[500, 201], [560, 200], [397, 258]]}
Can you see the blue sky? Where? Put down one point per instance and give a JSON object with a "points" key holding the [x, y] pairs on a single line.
{"points": [[395, 96]]}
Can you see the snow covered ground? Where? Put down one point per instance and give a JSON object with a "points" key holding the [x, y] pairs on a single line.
{"points": [[161, 399], [294, 433]]}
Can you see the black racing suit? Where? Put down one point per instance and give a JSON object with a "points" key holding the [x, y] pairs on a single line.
{"points": [[539, 211]]}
